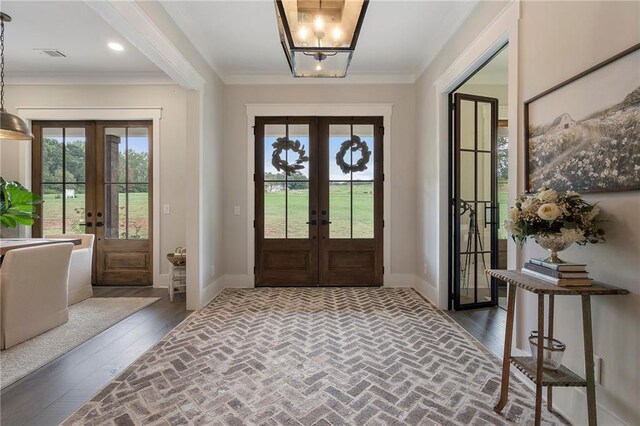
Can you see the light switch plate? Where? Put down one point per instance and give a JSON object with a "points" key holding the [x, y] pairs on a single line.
{"points": [[236, 210], [166, 209]]}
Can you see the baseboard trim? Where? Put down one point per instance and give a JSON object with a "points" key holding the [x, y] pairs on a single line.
{"points": [[427, 290], [162, 282], [399, 280], [238, 281], [211, 291]]}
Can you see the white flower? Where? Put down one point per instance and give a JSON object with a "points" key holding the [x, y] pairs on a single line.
{"points": [[514, 213], [548, 196], [527, 205], [549, 211], [573, 235]]}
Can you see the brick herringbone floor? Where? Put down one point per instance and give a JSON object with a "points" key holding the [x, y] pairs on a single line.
{"points": [[341, 356]]}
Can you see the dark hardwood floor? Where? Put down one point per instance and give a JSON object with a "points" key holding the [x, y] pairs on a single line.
{"points": [[485, 324], [53, 392]]}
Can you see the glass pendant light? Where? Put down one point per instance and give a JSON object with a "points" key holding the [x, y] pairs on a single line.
{"points": [[12, 127]]}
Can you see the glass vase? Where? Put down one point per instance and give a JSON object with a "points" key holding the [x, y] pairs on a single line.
{"points": [[553, 243], [552, 351]]}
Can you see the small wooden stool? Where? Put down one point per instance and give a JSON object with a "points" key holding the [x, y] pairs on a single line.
{"points": [[177, 274]]}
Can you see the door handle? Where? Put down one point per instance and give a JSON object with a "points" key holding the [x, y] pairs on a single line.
{"points": [[324, 222], [87, 224], [99, 224], [312, 222]]}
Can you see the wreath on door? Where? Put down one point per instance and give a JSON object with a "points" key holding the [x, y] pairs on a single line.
{"points": [[284, 144], [355, 144]]}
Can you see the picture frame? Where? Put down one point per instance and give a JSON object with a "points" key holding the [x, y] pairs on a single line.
{"points": [[583, 134]]}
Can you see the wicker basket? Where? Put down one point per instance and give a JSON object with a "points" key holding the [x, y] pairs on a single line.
{"points": [[177, 259]]}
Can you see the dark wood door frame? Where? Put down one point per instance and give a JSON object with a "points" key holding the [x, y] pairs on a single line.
{"points": [[94, 190], [122, 261], [353, 253], [290, 262], [329, 262]]}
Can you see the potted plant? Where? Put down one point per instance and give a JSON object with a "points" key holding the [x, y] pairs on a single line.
{"points": [[17, 204], [555, 220]]}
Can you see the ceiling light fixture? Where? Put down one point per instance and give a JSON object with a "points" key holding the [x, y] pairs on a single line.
{"points": [[12, 127], [116, 46], [303, 25]]}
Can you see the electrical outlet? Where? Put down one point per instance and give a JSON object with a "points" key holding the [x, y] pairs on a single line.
{"points": [[597, 369], [236, 210]]}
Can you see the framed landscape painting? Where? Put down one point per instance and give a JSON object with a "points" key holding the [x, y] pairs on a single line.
{"points": [[584, 134]]}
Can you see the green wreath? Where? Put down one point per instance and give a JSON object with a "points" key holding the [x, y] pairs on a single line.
{"points": [[354, 145], [284, 144]]}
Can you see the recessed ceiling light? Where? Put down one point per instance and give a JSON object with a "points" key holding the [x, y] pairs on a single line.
{"points": [[116, 46]]}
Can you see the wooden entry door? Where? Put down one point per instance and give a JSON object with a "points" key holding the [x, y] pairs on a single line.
{"points": [[318, 217], [95, 179], [123, 203]]}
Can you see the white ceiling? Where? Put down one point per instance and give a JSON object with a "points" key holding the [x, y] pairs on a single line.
{"points": [[77, 31], [240, 39]]}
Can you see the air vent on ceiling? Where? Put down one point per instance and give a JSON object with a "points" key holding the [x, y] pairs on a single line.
{"points": [[52, 52]]}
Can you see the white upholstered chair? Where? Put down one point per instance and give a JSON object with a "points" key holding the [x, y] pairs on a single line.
{"points": [[33, 291], [80, 269]]}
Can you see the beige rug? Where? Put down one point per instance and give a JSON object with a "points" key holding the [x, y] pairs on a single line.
{"points": [[86, 319]]}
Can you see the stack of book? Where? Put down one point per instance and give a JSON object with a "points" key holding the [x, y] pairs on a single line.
{"points": [[561, 274]]}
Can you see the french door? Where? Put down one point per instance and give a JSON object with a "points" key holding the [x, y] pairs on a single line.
{"points": [[474, 205], [318, 186], [95, 179]]}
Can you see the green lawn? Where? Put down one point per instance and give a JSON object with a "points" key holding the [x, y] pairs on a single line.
{"points": [[339, 210], [75, 209]]}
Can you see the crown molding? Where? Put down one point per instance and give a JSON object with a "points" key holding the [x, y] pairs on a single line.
{"points": [[350, 79], [134, 78]]}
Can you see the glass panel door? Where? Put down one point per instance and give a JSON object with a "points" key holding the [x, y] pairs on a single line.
{"points": [[123, 203], [351, 181], [59, 158], [318, 214], [475, 204], [286, 201], [126, 183]]}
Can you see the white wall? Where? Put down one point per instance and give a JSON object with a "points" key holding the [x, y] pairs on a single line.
{"points": [[556, 41], [402, 171], [427, 179], [203, 184], [172, 100]]}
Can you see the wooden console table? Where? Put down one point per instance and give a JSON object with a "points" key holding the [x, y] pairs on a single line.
{"points": [[534, 370]]}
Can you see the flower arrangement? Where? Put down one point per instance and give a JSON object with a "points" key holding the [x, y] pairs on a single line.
{"points": [[547, 212]]}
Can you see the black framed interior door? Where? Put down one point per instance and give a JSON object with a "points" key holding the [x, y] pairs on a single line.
{"points": [[319, 201], [474, 203]]}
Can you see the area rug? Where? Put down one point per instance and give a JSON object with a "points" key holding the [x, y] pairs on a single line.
{"points": [[349, 356], [86, 319]]}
